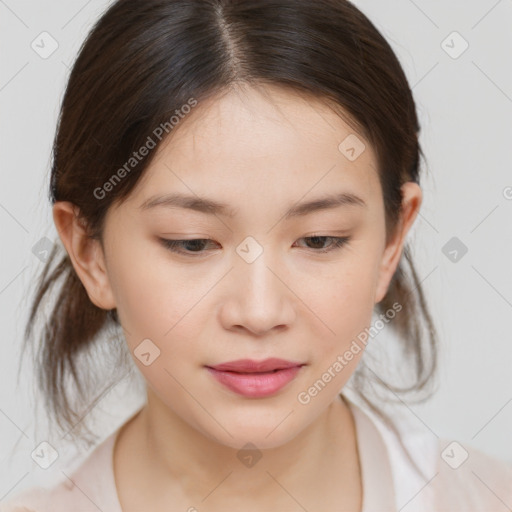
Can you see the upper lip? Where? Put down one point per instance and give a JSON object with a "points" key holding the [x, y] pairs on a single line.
{"points": [[252, 366]]}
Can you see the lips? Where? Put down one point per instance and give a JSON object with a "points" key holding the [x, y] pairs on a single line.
{"points": [[251, 366], [255, 379]]}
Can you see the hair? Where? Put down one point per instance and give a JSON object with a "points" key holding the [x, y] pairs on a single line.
{"points": [[142, 61]]}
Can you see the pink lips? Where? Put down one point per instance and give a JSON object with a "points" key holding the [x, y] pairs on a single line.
{"points": [[255, 379]]}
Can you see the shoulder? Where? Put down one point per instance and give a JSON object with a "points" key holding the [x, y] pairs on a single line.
{"points": [[453, 476], [456, 475], [469, 478], [90, 486]]}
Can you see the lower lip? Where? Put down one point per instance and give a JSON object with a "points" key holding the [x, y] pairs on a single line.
{"points": [[255, 385]]}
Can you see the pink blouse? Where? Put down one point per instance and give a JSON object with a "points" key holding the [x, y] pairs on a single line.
{"points": [[454, 482]]}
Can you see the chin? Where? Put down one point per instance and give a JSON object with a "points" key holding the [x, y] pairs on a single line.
{"points": [[269, 434], [255, 439]]}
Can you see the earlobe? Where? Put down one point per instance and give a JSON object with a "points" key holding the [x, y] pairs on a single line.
{"points": [[85, 253], [411, 203]]}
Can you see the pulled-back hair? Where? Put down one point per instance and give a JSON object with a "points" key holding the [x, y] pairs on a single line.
{"points": [[140, 64]]}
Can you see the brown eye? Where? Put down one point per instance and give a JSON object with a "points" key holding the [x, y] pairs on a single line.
{"points": [[318, 240], [189, 247]]}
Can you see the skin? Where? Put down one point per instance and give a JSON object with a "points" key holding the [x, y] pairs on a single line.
{"points": [[260, 150]]}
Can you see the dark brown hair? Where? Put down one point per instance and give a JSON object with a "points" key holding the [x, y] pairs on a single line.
{"points": [[142, 61]]}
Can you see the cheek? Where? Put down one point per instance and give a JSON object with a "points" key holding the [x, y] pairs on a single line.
{"points": [[152, 294], [346, 296], [344, 303]]}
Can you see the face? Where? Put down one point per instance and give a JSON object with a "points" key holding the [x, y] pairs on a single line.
{"points": [[262, 277]]}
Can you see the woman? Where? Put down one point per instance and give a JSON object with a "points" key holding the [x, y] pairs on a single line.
{"points": [[233, 184]]}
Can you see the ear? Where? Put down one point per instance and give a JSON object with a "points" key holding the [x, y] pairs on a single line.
{"points": [[411, 203], [86, 254]]}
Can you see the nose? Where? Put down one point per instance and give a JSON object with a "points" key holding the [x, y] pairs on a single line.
{"points": [[259, 299]]}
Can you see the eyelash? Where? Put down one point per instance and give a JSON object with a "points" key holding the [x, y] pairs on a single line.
{"points": [[174, 245]]}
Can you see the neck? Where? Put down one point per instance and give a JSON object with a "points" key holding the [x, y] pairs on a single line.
{"points": [[200, 468]]}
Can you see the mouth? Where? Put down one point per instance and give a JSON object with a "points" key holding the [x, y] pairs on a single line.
{"points": [[255, 379]]}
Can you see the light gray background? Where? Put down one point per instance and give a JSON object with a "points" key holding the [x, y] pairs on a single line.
{"points": [[465, 108]]}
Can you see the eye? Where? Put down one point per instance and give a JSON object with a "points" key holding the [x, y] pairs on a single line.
{"points": [[195, 246], [337, 242]]}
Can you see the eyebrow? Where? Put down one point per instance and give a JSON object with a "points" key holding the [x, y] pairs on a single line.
{"points": [[211, 207]]}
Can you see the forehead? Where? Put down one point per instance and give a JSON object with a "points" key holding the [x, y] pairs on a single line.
{"points": [[267, 144]]}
